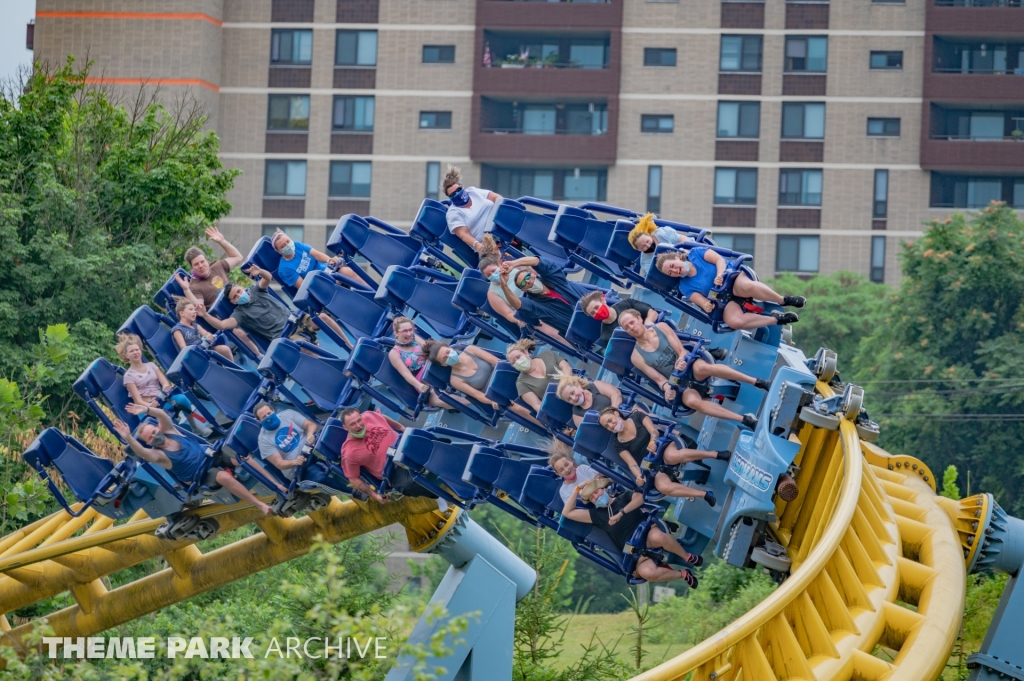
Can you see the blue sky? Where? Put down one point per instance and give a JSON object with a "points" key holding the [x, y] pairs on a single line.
{"points": [[17, 14]]}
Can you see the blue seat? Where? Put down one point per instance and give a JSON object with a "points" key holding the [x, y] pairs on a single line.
{"points": [[617, 360], [471, 297], [555, 413], [372, 373], [381, 247], [165, 297], [585, 237], [437, 465], [541, 496], [429, 294], [584, 331], [320, 374], [263, 254], [515, 227], [349, 302], [500, 477], [243, 440], [155, 331], [636, 547], [93, 480], [595, 443], [103, 383], [229, 386], [502, 390], [431, 228]]}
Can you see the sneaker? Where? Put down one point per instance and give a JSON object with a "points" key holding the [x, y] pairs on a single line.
{"points": [[723, 455], [695, 560], [793, 301], [201, 429], [785, 317], [709, 497], [690, 580], [762, 383], [750, 421], [718, 353]]}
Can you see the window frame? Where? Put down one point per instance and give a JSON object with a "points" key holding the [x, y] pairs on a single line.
{"points": [[654, 194], [899, 126], [739, 120], [433, 184], [732, 235], [358, 33], [351, 183], [355, 105], [294, 232], [658, 118], [787, 172], [661, 51], [287, 128], [876, 273], [743, 38], [888, 54], [880, 206], [275, 36], [737, 201], [440, 53], [790, 106], [788, 69], [780, 239], [435, 114], [288, 164]]}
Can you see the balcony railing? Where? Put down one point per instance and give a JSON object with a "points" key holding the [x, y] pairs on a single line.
{"points": [[979, 3], [521, 131], [976, 138], [589, 2], [990, 72], [541, 64]]}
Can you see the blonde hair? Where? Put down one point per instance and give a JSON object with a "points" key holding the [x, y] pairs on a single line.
{"points": [[452, 177], [566, 380], [488, 246], [556, 449], [125, 340], [644, 226], [180, 304], [524, 345], [398, 321]]}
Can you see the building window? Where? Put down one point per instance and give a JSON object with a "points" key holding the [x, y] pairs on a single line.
{"points": [[886, 61], [353, 113], [739, 119], [350, 179], [288, 112], [883, 127], [878, 259], [741, 243], [553, 184], [800, 188], [880, 206], [433, 180], [796, 253], [285, 178], [740, 53], [435, 120], [291, 47], [803, 121], [294, 232], [964, 191], [736, 186], [659, 56], [653, 189], [355, 48], [806, 55], [438, 54], [657, 123]]}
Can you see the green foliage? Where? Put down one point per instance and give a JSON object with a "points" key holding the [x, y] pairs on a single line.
{"points": [[842, 308], [725, 594], [642, 613], [951, 343], [949, 487], [97, 204]]}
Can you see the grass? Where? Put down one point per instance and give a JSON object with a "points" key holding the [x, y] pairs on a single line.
{"points": [[614, 630]]}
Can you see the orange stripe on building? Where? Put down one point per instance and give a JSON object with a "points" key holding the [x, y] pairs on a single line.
{"points": [[155, 81], [131, 15]]}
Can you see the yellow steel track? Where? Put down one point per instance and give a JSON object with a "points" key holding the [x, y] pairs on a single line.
{"points": [[876, 591]]}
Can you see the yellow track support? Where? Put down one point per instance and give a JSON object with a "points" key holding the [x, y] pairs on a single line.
{"points": [[878, 583], [42, 559]]}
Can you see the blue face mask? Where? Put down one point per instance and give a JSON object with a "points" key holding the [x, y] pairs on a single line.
{"points": [[460, 198], [495, 276], [602, 501], [289, 250], [453, 358], [244, 298], [272, 422]]}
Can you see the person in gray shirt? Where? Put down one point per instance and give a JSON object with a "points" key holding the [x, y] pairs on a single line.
{"points": [[257, 311]]}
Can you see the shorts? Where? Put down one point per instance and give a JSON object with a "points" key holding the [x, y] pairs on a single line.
{"points": [[704, 389], [210, 477]]}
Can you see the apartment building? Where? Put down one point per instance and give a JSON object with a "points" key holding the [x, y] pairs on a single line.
{"points": [[815, 135]]}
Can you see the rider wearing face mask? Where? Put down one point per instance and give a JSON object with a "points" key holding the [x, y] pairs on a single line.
{"points": [[594, 305], [370, 436], [471, 207], [257, 311], [536, 370], [547, 295], [299, 259], [471, 369]]}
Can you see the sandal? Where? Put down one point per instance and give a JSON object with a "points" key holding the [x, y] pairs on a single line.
{"points": [[690, 580]]}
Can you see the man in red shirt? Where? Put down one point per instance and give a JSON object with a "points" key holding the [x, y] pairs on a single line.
{"points": [[370, 436]]}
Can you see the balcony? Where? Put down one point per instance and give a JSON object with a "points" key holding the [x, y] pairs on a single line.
{"points": [[539, 63], [1004, 154], [532, 132], [978, 70], [975, 191], [975, 17], [573, 15]]}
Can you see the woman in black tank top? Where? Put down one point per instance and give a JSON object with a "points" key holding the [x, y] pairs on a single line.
{"points": [[636, 436], [586, 395]]}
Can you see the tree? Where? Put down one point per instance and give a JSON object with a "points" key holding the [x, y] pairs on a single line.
{"points": [[943, 372], [97, 204], [842, 308]]}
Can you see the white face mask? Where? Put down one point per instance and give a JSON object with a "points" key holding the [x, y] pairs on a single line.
{"points": [[522, 364], [536, 287], [580, 400], [619, 426]]}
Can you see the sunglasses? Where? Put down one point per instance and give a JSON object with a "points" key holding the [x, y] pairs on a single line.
{"points": [[525, 281]]}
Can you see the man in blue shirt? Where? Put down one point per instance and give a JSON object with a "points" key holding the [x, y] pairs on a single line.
{"points": [[298, 259], [547, 295]]}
